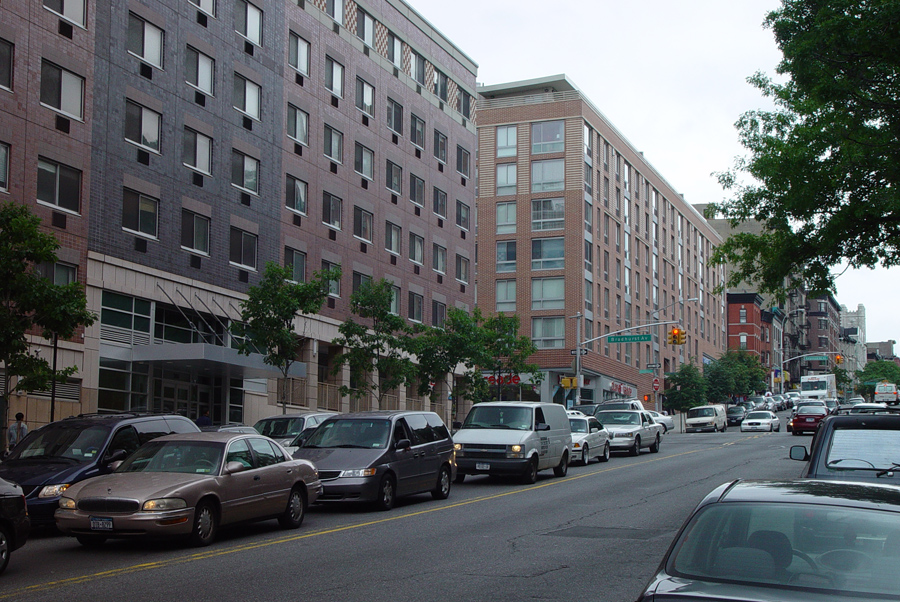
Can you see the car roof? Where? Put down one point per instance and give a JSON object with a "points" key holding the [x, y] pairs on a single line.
{"points": [[84, 420], [853, 494], [384, 414], [298, 415], [521, 404], [207, 436], [622, 410]]}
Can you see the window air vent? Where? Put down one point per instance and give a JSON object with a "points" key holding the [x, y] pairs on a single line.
{"points": [[417, 211], [248, 124], [416, 269], [248, 48], [441, 167], [66, 29], [363, 248], [365, 120], [298, 221], [364, 184], [243, 276], [245, 199], [333, 168], [335, 102], [195, 262], [200, 99], [143, 157], [393, 260], [298, 149], [201, 19], [58, 220], [440, 223], [197, 180], [440, 279], [394, 139], [332, 235], [330, 302], [63, 124], [298, 79], [394, 199], [146, 71], [140, 245], [418, 154]]}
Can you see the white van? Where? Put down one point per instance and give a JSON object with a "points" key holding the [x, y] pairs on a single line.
{"points": [[706, 418], [513, 438]]}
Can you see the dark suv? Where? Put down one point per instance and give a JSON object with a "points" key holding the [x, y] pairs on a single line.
{"points": [[54, 456]]}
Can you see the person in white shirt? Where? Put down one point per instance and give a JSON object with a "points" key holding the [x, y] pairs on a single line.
{"points": [[17, 430]]}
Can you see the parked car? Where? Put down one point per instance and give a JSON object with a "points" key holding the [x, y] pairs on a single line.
{"points": [[590, 439], [229, 428], [706, 418], [807, 419], [631, 430], [284, 428], [802, 540], [621, 404], [189, 485], [54, 457], [15, 524], [667, 422], [735, 415], [380, 456], [761, 420], [758, 401], [831, 403], [587, 409], [514, 438]]}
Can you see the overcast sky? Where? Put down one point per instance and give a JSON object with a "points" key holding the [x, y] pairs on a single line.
{"points": [[670, 75]]}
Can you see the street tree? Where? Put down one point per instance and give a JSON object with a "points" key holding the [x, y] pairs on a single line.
{"points": [[875, 372], [269, 317], [736, 373], [823, 164], [31, 304], [686, 388], [507, 354]]}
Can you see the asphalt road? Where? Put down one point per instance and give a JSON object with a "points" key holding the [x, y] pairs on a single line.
{"points": [[597, 534]]}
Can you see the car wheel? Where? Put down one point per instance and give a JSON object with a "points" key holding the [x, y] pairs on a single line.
{"points": [[771, 428], [386, 493], [442, 490], [5, 545], [295, 511], [665, 429], [563, 467], [724, 427], [91, 541], [206, 524], [636, 448], [460, 477], [654, 449], [795, 433], [778, 429], [605, 456], [585, 455], [531, 471]]}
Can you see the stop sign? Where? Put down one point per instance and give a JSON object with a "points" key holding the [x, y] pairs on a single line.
{"points": [[655, 384]]}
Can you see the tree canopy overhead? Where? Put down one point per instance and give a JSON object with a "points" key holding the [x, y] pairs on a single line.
{"points": [[824, 165]]}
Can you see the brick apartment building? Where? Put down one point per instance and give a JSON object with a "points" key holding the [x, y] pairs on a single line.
{"points": [[174, 147], [572, 220]]}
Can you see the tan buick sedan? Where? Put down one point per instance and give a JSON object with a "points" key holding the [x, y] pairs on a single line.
{"points": [[189, 485]]}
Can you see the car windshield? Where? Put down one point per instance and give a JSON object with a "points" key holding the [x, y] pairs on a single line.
{"points": [[863, 449], [736, 410], [758, 415], [366, 433], [61, 441], [619, 418], [841, 550], [195, 457], [499, 417], [281, 427], [700, 412], [579, 425], [617, 405]]}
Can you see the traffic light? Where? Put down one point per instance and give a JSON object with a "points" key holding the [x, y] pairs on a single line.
{"points": [[839, 359], [646, 398], [680, 336], [670, 336]]}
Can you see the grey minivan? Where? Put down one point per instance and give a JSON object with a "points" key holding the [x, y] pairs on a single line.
{"points": [[379, 456]]}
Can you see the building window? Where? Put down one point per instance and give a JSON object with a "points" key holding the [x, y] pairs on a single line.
{"points": [[395, 300], [249, 21], [438, 314], [4, 167], [360, 280], [440, 147], [548, 333], [334, 144], [417, 66], [416, 190], [362, 224], [365, 97], [506, 179], [145, 40], [197, 151], [440, 202], [823, 306], [140, 213], [242, 248], [506, 295], [392, 234], [395, 50], [142, 126], [416, 248], [464, 102], [506, 141], [395, 116], [72, 10], [548, 293], [588, 179], [364, 161], [462, 268], [58, 185], [334, 76], [589, 218], [295, 262], [462, 215], [295, 191], [394, 178], [365, 27], [335, 10], [334, 286], [194, 232], [200, 70], [588, 296], [60, 274], [62, 90], [462, 161], [588, 256], [547, 254], [6, 64], [823, 323], [331, 210], [439, 258], [742, 342], [548, 175], [415, 307], [247, 95], [506, 256], [547, 137], [440, 85], [547, 214], [244, 172], [298, 53], [506, 218], [298, 124], [742, 313], [417, 131]]}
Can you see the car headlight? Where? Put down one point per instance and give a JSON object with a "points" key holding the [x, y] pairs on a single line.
{"points": [[514, 451], [458, 448], [53, 490], [166, 503], [67, 503], [359, 472], [577, 445]]}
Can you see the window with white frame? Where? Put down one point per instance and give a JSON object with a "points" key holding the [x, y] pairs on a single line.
{"points": [[365, 27], [295, 191], [4, 167], [6, 64], [331, 210], [145, 40], [506, 217], [194, 232], [395, 116], [244, 172], [416, 302], [394, 178], [547, 137], [242, 248], [335, 10], [416, 248], [62, 90], [547, 254], [417, 131], [247, 96], [440, 146], [464, 102], [71, 10], [506, 141], [392, 234], [438, 314], [298, 124], [142, 126], [439, 258], [334, 286], [548, 333], [334, 76], [440, 202], [200, 70], [248, 21], [365, 97], [364, 161], [462, 268], [395, 50], [395, 300], [506, 295], [462, 215], [506, 179], [440, 85], [742, 315], [140, 213], [588, 295], [547, 214], [417, 67], [334, 144], [506, 256], [362, 224], [548, 293], [295, 262], [416, 190], [298, 53], [57, 184], [462, 161], [548, 175], [588, 256], [197, 151]]}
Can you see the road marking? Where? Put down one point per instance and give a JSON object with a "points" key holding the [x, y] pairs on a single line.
{"points": [[149, 566]]}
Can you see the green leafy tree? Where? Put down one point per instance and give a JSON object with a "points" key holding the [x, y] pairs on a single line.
{"points": [[269, 313], [822, 165], [378, 348], [735, 373], [686, 388], [507, 353], [842, 378], [875, 372], [31, 303]]}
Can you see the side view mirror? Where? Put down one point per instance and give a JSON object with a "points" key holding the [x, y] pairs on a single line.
{"points": [[542, 426], [117, 455], [115, 465], [798, 452], [403, 444], [233, 467]]}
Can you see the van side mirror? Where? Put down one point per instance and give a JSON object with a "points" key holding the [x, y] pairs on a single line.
{"points": [[542, 426], [798, 452], [403, 444], [117, 455], [234, 466]]}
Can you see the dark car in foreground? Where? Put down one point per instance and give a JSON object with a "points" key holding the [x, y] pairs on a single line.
{"points": [[803, 540], [14, 522]]}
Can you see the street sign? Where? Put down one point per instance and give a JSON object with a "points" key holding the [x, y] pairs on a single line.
{"points": [[652, 366], [816, 358], [629, 338], [646, 371], [655, 384], [575, 351]]}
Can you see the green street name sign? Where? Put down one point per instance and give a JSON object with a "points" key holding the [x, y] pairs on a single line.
{"points": [[630, 338], [816, 358]]}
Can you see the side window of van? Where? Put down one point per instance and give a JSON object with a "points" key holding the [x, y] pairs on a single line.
{"points": [[420, 427], [401, 431], [151, 429], [539, 417], [438, 426], [125, 438]]}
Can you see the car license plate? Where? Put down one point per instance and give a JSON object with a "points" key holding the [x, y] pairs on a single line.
{"points": [[101, 524], [810, 419], [482, 466]]}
